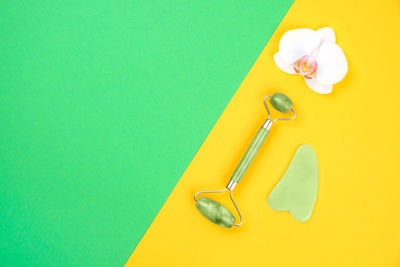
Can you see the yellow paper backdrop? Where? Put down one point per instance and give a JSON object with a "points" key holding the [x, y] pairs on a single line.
{"points": [[354, 131]]}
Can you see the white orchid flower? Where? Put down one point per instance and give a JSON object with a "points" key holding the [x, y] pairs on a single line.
{"points": [[314, 55]]}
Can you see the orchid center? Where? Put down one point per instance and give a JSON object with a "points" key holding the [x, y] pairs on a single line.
{"points": [[306, 66]]}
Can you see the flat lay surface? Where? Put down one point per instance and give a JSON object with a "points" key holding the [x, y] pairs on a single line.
{"points": [[354, 132], [103, 105], [113, 114]]}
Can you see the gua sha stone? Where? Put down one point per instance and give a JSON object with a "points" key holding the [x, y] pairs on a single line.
{"points": [[296, 192]]}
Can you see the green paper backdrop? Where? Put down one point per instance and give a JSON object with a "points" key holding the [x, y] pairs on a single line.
{"points": [[103, 104]]}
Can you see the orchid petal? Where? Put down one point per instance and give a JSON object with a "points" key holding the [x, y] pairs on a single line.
{"points": [[318, 87], [283, 65], [327, 34], [332, 64], [296, 43]]}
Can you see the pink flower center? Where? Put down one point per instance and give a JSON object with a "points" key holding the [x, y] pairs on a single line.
{"points": [[306, 66]]}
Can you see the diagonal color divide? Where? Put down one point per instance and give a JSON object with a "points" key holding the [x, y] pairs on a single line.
{"points": [[102, 106], [354, 131]]}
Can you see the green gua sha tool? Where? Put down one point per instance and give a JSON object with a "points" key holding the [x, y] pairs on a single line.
{"points": [[215, 211], [297, 190]]}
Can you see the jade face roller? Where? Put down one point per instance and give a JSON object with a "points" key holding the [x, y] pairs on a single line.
{"points": [[213, 210]]}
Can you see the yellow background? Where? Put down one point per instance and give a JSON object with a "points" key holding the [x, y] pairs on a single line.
{"points": [[354, 131]]}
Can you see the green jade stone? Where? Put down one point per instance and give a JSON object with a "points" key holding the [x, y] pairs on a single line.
{"points": [[296, 192], [281, 102], [215, 212]]}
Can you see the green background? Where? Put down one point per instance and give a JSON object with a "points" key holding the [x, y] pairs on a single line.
{"points": [[103, 104]]}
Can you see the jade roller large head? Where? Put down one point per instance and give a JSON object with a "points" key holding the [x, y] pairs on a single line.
{"points": [[216, 212]]}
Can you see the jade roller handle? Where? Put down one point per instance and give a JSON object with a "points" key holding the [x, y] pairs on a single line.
{"points": [[249, 155]]}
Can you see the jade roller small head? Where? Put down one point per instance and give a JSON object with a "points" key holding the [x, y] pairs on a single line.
{"points": [[213, 210], [281, 102]]}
